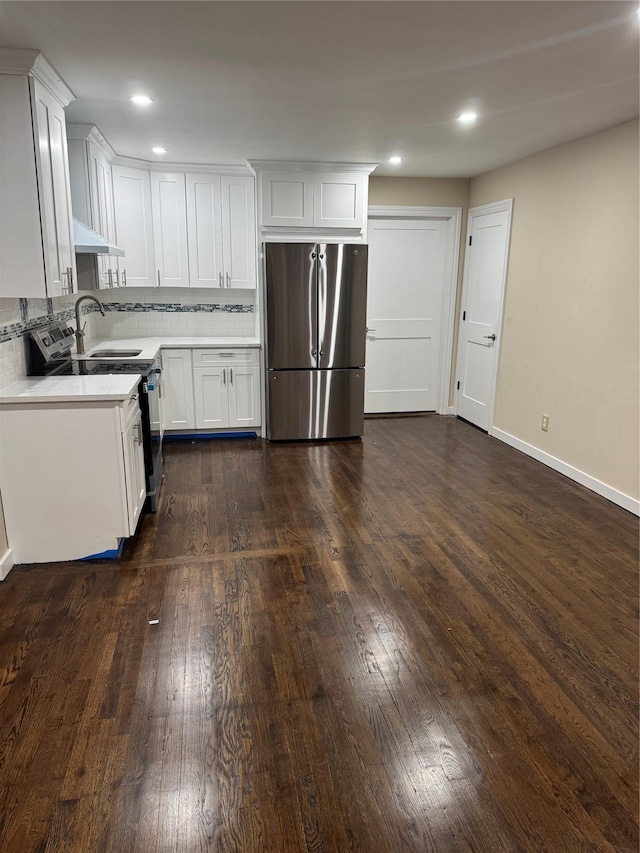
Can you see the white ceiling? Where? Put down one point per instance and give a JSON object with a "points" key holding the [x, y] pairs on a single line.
{"points": [[340, 81]]}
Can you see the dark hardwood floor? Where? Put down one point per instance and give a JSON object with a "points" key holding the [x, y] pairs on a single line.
{"points": [[424, 641]]}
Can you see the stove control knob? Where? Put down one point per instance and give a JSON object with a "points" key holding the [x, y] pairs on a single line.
{"points": [[46, 341]]}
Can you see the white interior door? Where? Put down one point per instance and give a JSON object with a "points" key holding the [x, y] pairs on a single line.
{"points": [[485, 274], [407, 268]]}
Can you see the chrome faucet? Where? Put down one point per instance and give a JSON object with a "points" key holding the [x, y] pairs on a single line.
{"points": [[80, 330]]}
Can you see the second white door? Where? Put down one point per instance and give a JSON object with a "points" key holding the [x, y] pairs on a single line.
{"points": [[407, 267], [485, 275]]}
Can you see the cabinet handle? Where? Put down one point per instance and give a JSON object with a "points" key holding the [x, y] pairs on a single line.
{"points": [[124, 278], [228, 280], [224, 375], [158, 271], [138, 435], [231, 374], [68, 287], [110, 278], [220, 279], [117, 278]]}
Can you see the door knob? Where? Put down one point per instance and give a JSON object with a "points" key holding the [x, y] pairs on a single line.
{"points": [[490, 337], [370, 330]]}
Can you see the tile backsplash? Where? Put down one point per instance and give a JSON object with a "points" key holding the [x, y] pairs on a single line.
{"points": [[131, 312]]}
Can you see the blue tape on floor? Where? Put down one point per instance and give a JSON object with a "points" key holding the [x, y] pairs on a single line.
{"points": [[191, 436], [112, 554]]}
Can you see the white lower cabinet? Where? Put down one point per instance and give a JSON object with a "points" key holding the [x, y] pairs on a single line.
{"points": [[244, 396], [211, 388], [177, 389], [133, 455], [73, 479], [211, 397]]}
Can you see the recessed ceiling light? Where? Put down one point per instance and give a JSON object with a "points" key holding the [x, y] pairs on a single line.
{"points": [[467, 118], [141, 100], [159, 150], [395, 160]]}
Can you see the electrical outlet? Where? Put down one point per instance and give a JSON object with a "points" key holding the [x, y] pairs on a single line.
{"points": [[544, 426]]}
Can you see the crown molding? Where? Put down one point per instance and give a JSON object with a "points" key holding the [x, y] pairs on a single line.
{"points": [[31, 63], [303, 166], [91, 133], [173, 166]]}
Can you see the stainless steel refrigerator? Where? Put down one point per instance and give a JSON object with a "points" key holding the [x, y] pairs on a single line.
{"points": [[316, 295]]}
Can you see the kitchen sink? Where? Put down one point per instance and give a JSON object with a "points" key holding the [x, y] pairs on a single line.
{"points": [[116, 353]]}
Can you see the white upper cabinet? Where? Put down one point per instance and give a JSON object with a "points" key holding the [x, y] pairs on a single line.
{"points": [[239, 231], [221, 231], [92, 192], [338, 199], [134, 230], [204, 229], [287, 199], [313, 200], [169, 216], [38, 257]]}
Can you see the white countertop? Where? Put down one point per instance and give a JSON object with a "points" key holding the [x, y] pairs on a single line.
{"points": [[71, 389], [81, 389], [150, 346]]}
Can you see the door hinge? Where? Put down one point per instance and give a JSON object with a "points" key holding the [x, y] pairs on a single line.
{"points": [[470, 239], [464, 315], [457, 386]]}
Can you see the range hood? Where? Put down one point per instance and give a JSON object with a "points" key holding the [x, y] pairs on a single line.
{"points": [[89, 242]]}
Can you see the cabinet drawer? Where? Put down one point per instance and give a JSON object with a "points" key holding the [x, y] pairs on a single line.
{"points": [[231, 356], [130, 411]]}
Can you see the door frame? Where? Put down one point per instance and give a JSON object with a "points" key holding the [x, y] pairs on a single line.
{"points": [[504, 206], [453, 217]]}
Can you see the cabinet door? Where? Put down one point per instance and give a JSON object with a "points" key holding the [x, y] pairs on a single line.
{"points": [[109, 225], [287, 198], [204, 231], [134, 233], [244, 396], [211, 386], [239, 231], [169, 215], [177, 387], [55, 192], [134, 474], [338, 200], [97, 207]]}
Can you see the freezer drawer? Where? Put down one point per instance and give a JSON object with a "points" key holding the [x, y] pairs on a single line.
{"points": [[311, 404]]}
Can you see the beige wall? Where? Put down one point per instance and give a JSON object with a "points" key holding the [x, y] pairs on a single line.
{"points": [[420, 192], [570, 336]]}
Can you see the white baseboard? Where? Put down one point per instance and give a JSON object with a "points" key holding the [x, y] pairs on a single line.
{"points": [[6, 563], [608, 492]]}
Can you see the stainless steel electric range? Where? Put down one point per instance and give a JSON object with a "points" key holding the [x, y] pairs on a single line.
{"points": [[50, 355]]}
